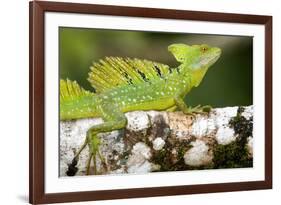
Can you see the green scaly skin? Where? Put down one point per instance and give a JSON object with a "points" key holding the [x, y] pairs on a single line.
{"points": [[163, 93]]}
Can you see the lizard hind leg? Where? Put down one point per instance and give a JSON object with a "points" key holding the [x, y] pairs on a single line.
{"points": [[114, 119]]}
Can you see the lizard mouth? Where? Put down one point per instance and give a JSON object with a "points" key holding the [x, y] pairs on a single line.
{"points": [[210, 61], [216, 56]]}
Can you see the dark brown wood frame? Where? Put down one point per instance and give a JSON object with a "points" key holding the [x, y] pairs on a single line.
{"points": [[37, 95]]}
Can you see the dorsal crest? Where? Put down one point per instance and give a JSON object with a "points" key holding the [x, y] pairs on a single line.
{"points": [[116, 71], [71, 91]]}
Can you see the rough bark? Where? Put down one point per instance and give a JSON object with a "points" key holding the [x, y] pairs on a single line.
{"points": [[165, 141]]}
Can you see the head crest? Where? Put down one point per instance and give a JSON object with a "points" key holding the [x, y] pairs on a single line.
{"points": [[180, 51]]}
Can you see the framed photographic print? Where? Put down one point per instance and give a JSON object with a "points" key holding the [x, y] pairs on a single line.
{"points": [[138, 102]]}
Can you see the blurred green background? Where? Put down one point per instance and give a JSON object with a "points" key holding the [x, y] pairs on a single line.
{"points": [[227, 83]]}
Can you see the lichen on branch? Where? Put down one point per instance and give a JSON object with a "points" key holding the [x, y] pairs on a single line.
{"points": [[165, 141]]}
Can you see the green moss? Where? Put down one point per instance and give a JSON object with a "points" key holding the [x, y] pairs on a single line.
{"points": [[235, 154], [162, 159], [169, 161], [182, 150]]}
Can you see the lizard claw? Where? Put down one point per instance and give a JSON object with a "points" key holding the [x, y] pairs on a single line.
{"points": [[94, 153], [201, 109], [198, 110]]}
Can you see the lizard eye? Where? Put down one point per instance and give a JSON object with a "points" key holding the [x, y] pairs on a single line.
{"points": [[204, 49]]}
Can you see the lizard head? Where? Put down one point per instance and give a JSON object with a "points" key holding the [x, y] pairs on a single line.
{"points": [[195, 56], [195, 59]]}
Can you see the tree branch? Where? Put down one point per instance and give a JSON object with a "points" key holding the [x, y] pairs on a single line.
{"points": [[165, 141]]}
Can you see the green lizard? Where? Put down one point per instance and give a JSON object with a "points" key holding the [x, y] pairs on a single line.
{"points": [[124, 84]]}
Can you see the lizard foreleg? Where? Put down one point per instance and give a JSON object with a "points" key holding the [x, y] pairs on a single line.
{"points": [[181, 105]]}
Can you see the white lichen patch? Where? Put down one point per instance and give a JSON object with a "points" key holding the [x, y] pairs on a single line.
{"points": [[225, 134], [248, 112], [138, 160], [158, 143], [137, 121], [198, 155], [223, 115], [140, 168], [141, 149], [203, 126]]}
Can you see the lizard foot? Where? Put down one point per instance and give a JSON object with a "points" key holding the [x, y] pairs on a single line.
{"points": [[201, 109], [198, 110], [94, 143]]}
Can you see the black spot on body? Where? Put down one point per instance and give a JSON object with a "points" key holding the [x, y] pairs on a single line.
{"points": [[158, 71], [126, 75], [142, 75], [129, 80]]}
